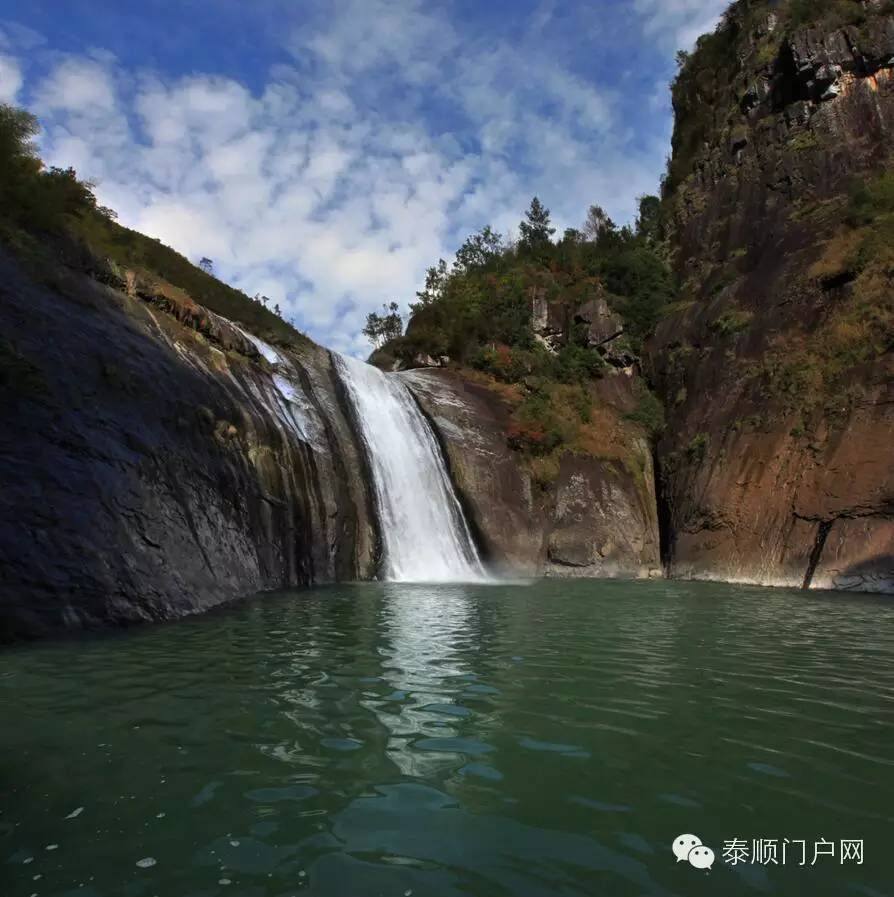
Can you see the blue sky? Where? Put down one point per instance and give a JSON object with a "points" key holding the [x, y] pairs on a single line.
{"points": [[325, 152]]}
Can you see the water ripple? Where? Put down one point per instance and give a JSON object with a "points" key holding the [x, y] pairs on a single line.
{"points": [[544, 739]]}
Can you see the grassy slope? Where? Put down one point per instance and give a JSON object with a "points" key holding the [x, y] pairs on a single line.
{"points": [[49, 215], [130, 249]]}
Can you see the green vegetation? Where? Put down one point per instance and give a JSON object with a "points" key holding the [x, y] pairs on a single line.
{"points": [[549, 417], [767, 52], [536, 231], [32, 196], [730, 322], [821, 369], [480, 312], [484, 301], [803, 142], [830, 13], [871, 199], [570, 364], [41, 207], [380, 329], [698, 447], [871, 216], [106, 239], [649, 412]]}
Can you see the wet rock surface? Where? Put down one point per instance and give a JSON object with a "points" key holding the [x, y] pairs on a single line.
{"points": [[151, 470]]}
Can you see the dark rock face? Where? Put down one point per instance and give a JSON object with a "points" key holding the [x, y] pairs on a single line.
{"points": [[598, 519], [153, 470], [764, 481]]}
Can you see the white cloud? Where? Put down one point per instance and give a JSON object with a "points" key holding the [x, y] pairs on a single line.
{"points": [[10, 79], [333, 186], [677, 24], [77, 85], [14, 35], [360, 36]]}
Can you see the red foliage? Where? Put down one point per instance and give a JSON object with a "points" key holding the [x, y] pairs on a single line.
{"points": [[522, 435], [504, 355]]}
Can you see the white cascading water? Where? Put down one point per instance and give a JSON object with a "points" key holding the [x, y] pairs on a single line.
{"points": [[426, 537], [285, 402]]}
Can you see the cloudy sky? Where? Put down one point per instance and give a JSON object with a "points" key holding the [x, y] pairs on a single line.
{"points": [[325, 152]]}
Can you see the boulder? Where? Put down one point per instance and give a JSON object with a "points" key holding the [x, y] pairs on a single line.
{"points": [[602, 324]]}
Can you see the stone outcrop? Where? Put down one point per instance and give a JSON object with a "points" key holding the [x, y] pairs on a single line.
{"points": [[558, 321], [597, 519], [776, 464], [155, 463], [601, 323]]}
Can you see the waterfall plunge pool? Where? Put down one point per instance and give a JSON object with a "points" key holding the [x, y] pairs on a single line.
{"points": [[549, 739]]}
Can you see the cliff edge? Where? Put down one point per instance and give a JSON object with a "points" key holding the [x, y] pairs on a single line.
{"points": [[776, 364]]}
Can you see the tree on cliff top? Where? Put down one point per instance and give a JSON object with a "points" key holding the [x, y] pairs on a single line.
{"points": [[380, 329], [481, 248], [30, 195], [536, 230], [17, 130], [649, 220], [598, 224]]}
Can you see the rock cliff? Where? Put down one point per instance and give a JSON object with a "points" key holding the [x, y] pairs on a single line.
{"points": [[156, 463], [776, 366], [596, 518]]}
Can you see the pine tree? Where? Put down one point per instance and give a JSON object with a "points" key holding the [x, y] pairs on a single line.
{"points": [[535, 229]]}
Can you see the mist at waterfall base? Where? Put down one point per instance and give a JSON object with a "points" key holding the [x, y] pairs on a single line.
{"points": [[425, 534], [446, 740]]}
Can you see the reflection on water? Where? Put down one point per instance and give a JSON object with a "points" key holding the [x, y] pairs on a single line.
{"points": [[425, 633], [453, 740]]}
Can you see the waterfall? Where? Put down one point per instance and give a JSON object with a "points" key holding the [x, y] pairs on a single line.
{"points": [[286, 403], [425, 534]]}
